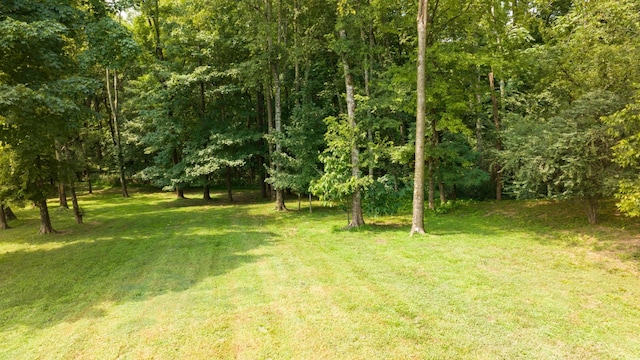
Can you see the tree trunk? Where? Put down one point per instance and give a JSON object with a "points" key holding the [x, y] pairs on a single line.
{"points": [[62, 195], [270, 132], [417, 225], [9, 214], [277, 80], [45, 220], [497, 174], [310, 204], [206, 193], [443, 195], [113, 102], [74, 200], [89, 182], [356, 200], [3, 219], [432, 187], [591, 206], [228, 180]]}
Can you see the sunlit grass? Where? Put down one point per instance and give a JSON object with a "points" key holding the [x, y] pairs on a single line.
{"points": [[155, 277]]}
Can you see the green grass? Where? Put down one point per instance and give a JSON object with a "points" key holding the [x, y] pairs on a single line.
{"points": [[152, 277]]}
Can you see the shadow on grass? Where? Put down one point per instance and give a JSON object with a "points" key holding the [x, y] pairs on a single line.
{"points": [[44, 287]]}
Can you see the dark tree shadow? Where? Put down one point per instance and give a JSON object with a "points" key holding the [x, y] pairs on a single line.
{"points": [[44, 287]]}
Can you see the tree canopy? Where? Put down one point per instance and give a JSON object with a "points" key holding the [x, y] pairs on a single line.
{"points": [[516, 98]]}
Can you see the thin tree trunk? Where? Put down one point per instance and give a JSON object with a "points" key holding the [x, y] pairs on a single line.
{"points": [[228, 181], [443, 195], [367, 73], [591, 206], [310, 204], [62, 195], [478, 111], [497, 174], [45, 220], [417, 225], [261, 160], [3, 219], [113, 102], [356, 200], [89, 182], [277, 80], [270, 132], [432, 188], [74, 200]]}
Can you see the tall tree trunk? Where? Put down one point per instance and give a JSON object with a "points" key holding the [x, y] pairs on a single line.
{"points": [[62, 195], [3, 219], [280, 206], [260, 109], [356, 199], [478, 112], [113, 102], [417, 225], [270, 132], [45, 220], [432, 188], [277, 88], [433, 162], [443, 194], [368, 66], [74, 200], [497, 174]]}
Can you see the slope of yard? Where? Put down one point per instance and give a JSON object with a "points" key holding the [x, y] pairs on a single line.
{"points": [[152, 277]]}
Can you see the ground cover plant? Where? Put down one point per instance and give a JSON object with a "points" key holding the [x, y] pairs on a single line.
{"points": [[153, 277]]}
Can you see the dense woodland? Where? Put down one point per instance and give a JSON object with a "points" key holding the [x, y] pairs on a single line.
{"points": [[359, 102]]}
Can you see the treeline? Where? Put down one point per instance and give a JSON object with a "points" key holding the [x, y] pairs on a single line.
{"points": [[521, 98]]}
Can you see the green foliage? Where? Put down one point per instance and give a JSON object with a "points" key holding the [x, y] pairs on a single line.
{"points": [[297, 165], [566, 155], [625, 126], [385, 196], [337, 181]]}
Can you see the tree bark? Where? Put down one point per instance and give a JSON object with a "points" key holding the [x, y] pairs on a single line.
{"points": [[206, 193], [3, 219], [591, 206], [497, 174], [45, 220], [62, 195], [113, 102], [417, 225], [432, 187], [357, 219], [260, 110], [277, 80], [74, 200]]}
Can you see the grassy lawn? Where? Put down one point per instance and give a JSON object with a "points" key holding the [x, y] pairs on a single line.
{"points": [[153, 277]]}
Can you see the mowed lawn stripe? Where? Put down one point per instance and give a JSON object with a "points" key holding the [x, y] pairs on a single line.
{"points": [[157, 278]]}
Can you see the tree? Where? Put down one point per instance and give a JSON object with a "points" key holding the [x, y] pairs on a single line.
{"points": [[38, 88], [417, 225], [567, 155]]}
